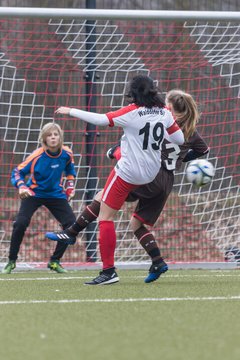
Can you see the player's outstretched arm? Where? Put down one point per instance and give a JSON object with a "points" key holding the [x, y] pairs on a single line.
{"points": [[90, 117], [63, 110], [176, 136]]}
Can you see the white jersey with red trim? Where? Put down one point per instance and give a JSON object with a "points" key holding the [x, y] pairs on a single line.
{"points": [[144, 130]]}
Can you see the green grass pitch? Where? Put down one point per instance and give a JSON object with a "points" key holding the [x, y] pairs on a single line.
{"points": [[186, 314]]}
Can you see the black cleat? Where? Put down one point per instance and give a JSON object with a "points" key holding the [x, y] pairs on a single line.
{"points": [[112, 151], [104, 278]]}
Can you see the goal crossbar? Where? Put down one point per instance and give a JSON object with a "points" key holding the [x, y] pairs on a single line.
{"points": [[104, 14]]}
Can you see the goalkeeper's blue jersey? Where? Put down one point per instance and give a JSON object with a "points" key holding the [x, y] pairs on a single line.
{"points": [[45, 172]]}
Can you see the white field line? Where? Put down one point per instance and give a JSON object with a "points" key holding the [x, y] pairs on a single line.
{"points": [[70, 301], [47, 278], [232, 274]]}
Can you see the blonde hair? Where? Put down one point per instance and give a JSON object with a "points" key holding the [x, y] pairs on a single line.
{"points": [[185, 111], [45, 132]]}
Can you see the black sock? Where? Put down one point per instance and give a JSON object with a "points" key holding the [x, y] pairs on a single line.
{"points": [[86, 217], [148, 242]]}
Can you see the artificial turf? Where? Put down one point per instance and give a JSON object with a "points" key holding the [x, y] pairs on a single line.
{"points": [[186, 314]]}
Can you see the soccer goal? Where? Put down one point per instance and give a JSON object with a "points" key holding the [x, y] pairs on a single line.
{"points": [[84, 58]]}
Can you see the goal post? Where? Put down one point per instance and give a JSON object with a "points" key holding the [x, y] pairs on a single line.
{"points": [[53, 57]]}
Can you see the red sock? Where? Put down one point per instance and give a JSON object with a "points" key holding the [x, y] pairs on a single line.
{"points": [[117, 153], [107, 243]]}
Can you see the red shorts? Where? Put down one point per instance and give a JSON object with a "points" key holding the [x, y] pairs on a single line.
{"points": [[116, 191]]}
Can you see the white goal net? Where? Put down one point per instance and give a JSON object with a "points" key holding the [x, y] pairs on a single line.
{"points": [[46, 63]]}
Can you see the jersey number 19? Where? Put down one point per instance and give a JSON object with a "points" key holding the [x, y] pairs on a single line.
{"points": [[157, 133]]}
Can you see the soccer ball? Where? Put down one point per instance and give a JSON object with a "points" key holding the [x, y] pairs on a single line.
{"points": [[200, 172]]}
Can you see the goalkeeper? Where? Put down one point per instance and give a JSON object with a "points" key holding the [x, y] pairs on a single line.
{"points": [[45, 168], [153, 196]]}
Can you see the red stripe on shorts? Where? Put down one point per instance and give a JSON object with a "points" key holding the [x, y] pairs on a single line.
{"points": [[116, 191]]}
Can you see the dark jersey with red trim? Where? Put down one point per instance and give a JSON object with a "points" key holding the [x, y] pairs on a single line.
{"points": [[173, 155]]}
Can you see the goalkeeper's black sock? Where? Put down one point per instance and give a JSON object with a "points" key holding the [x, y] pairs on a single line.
{"points": [[148, 242], [86, 217]]}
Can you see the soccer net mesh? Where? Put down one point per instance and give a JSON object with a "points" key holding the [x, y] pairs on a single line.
{"points": [[46, 63]]}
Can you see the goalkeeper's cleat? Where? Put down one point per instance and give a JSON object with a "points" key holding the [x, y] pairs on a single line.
{"points": [[62, 236], [104, 278], [155, 271], [9, 267], [56, 266], [114, 152]]}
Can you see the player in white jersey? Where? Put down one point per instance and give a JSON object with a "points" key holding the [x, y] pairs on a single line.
{"points": [[144, 123], [141, 144]]}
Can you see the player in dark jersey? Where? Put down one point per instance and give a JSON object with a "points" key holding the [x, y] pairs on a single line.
{"points": [[153, 196], [45, 168]]}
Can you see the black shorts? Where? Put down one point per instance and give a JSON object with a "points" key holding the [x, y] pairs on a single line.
{"points": [[59, 208], [152, 197]]}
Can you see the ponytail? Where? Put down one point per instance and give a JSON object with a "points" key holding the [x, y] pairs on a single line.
{"points": [[185, 111]]}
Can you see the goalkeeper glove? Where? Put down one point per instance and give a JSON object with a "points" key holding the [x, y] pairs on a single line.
{"points": [[70, 190], [24, 192]]}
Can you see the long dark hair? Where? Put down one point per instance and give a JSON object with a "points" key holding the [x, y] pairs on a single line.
{"points": [[143, 92]]}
